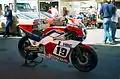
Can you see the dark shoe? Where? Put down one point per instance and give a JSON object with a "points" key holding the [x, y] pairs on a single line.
{"points": [[8, 35], [4, 36], [116, 38]]}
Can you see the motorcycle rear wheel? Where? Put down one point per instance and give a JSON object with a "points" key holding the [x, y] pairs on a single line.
{"points": [[89, 63], [21, 47]]}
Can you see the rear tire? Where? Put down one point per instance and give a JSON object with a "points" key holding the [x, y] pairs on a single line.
{"points": [[89, 63], [21, 45]]}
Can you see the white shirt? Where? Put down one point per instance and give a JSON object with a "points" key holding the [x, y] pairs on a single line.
{"points": [[115, 17]]}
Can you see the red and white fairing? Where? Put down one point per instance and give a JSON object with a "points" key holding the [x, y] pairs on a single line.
{"points": [[60, 49]]}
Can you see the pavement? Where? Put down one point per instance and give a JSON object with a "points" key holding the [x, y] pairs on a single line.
{"points": [[108, 65], [95, 36]]}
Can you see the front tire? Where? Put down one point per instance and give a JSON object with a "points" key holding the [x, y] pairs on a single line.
{"points": [[24, 42], [90, 60]]}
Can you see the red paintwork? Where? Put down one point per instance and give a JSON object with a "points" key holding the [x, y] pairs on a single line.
{"points": [[59, 29], [75, 29], [26, 27], [49, 47], [49, 50], [53, 28], [92, 22]]}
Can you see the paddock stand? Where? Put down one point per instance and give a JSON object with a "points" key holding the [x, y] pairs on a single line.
{"points": [[31, 63]]}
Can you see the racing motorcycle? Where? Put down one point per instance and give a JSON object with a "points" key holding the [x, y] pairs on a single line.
{"points": [[59, 43]]}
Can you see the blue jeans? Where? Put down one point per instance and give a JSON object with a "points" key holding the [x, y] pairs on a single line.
{"points": [[107, 25], [113, 30], [8, 23]]}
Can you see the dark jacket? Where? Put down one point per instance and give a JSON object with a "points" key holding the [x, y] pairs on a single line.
{"points": [[8, 14], [107, 10]]}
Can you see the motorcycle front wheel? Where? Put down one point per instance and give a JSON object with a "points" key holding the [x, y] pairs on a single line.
{"points": [[24, 42], [89, 62]]}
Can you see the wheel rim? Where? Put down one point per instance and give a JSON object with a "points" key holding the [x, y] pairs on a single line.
{"points": [[85, 61], [30, 55], [89, 62]]}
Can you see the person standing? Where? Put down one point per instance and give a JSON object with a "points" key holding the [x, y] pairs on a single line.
{"points": [[65, 11], [107, 10], [8, 15], [114, 20]]}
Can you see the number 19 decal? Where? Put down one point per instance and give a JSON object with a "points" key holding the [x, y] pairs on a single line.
{"points": [[61, 51]]}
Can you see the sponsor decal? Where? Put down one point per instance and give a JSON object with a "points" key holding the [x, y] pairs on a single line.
{"points": [[67, 45]]}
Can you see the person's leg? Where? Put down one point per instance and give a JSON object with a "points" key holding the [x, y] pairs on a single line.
{"points": [[109, 34], [105, 32], [105, 28], [113, 30], [6, 28], [116, 30], [107, 25], [8, 23]]}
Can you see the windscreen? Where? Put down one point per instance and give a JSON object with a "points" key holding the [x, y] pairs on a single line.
{"points": [[23, 7]]}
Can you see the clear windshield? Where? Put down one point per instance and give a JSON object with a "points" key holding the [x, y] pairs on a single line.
{"points": [[23, 7]]}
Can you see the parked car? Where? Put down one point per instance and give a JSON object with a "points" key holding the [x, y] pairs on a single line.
{"points": [[18, 19]]}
